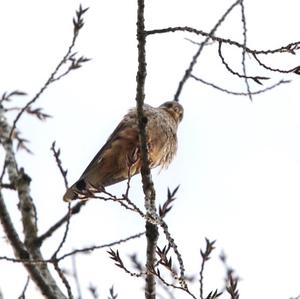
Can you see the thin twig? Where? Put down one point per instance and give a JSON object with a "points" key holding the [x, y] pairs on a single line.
{"points": [[199, 51], [26, 261], [74, 210], [65, 232], [63, 172], [92, 248], [290, 48], [183, 288], [166, 207], [126, 195], [112, 294], [292, 70], [244, 50], [174, 246], [254, 78], [22, 296], [7, 97], [56, 154], [115, 256], [240, 93], [205, 255], [78, 24], [124, 202], [63, 279]]}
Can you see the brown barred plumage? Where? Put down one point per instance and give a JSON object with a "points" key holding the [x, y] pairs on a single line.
{"points": [[121, 151]]}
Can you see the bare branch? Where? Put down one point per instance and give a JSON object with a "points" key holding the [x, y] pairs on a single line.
{"points": [[89, 249], [26, 261], [205, 257], [290, 48], [183, 288], [176, 251], [232, 288], [74, 210], [22, 296], [124, 202], [292, 70], [164, 260], [38, 112], [115, 256], [231, 279], [63, 279], [254, 78], [148, 187], [163, 210], [56, 154], [240, 93], [39, 272], [199, 51], [21, 142], [244, 50], [65, 232], [214, 294], [112, 294], [7, 97], [78, 24]]}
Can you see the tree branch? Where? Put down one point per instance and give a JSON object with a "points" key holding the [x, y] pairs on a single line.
{"points": [[290, 48], [236, 93], [78, 24], [28, 250], [148, 187], [199, 51], [74, 210]]}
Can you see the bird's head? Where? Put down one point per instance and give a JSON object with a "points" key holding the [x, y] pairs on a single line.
{"points": [[174, 108]]}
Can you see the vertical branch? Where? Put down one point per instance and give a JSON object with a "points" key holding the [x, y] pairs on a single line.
{"points": [[244, 48], [148, 187]]}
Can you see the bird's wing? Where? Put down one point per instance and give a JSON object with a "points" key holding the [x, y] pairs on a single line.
{"points": [[120, 155], [114, 136], [111, 162]]}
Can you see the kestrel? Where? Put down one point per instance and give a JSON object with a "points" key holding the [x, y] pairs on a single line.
{"points": [[120, 158]]}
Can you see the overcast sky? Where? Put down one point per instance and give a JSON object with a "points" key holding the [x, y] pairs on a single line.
{"points": [[238, 162]]}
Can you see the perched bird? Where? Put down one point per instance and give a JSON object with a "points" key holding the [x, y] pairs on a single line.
{"points": [[120, 158]]}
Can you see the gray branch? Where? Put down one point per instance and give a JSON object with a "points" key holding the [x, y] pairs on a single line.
{"points": [[29, 249], [148, 187]]}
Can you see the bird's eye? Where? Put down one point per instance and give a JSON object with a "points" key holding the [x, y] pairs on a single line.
{"points": [[177, 110]]}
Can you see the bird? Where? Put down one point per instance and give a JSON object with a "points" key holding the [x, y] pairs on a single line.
{"points": [[120, 157]]}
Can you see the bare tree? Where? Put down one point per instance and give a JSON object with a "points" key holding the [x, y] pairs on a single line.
{"points": [[164, 266]]}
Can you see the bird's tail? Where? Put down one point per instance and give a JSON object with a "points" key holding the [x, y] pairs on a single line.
{"points": [[81, 189], [71, 194]]}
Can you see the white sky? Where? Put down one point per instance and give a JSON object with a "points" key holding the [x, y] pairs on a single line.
{"points": [[238, 162]]}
